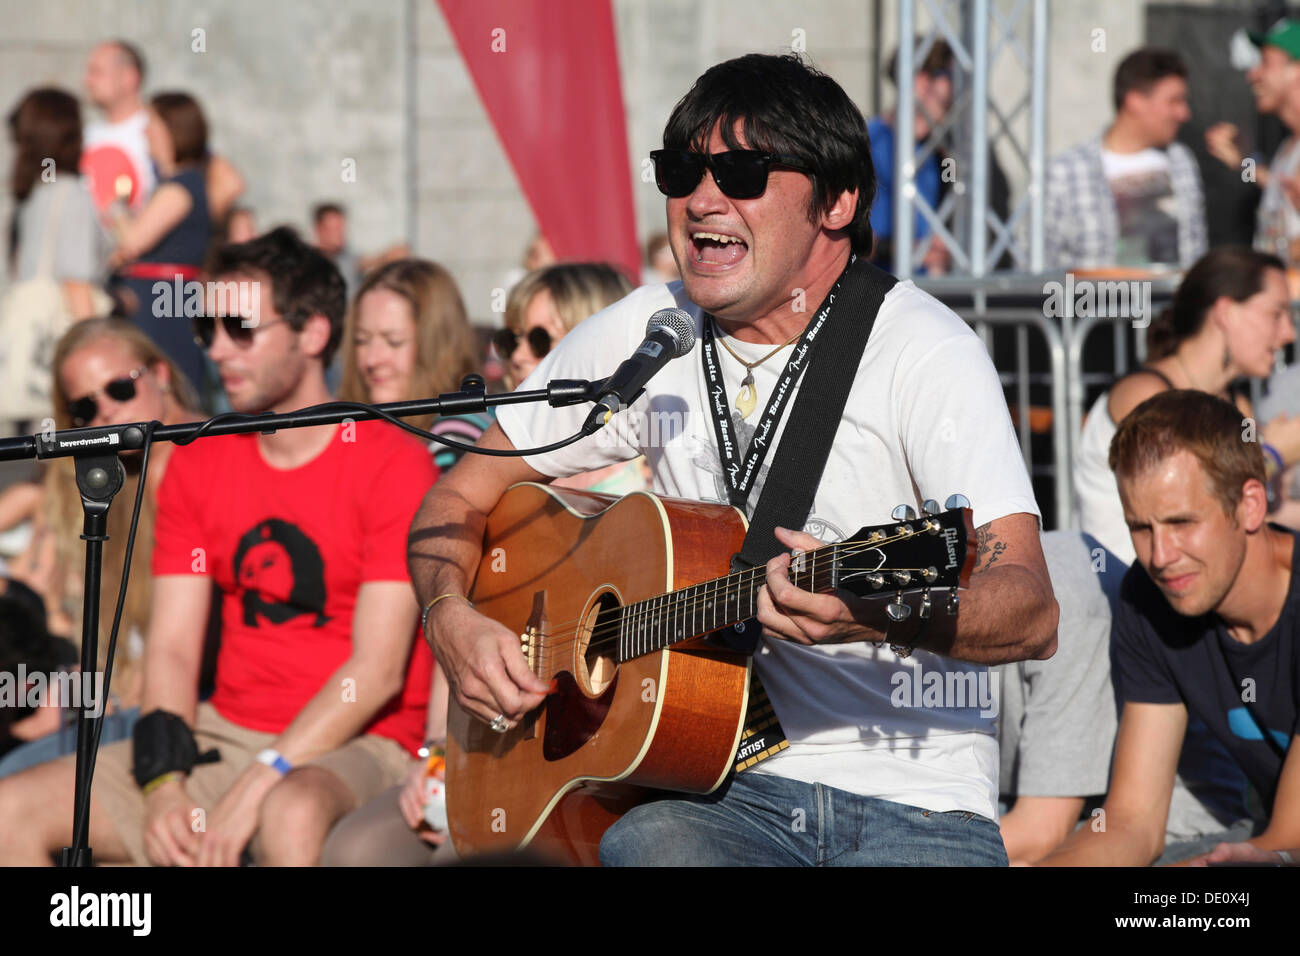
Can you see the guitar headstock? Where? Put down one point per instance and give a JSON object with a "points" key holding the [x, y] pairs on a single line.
{"points": [[916, 553]]}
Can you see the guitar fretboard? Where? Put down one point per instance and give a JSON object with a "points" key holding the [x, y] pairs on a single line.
{"points": [[667, 619]]}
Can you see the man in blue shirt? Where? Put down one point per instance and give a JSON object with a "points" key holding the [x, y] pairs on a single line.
{"points": [[932, 95]]}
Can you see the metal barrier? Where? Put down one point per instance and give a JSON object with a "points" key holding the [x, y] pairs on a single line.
{"points": [[1065, 337], [1022, 379]]}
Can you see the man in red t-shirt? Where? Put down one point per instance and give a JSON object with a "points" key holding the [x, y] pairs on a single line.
{"points": [[321, 687]]}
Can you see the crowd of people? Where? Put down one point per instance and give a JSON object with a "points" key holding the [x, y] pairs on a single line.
{"points": [[299, 618]]}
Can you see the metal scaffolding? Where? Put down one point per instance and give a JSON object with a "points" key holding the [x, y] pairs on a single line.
{"points": [[979, 33]]}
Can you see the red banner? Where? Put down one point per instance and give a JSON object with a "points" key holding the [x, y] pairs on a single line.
{"points": [[548, 75]]}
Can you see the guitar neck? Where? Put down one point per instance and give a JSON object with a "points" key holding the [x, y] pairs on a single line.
{"points": [[668, 619]]}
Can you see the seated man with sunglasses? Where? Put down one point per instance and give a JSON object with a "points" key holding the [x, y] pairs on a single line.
{"points": [[300, 534], [768, 177]]}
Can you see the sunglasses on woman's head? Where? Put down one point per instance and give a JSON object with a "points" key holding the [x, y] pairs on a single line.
{"points": [[739, 173], [84, 410], [507, 340], [238, 329]]}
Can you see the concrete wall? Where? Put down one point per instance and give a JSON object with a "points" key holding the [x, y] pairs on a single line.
{"points": [[291, 89], [294, 88]]}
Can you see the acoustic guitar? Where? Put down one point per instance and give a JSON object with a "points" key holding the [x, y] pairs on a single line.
{"points": [[616, 599]]}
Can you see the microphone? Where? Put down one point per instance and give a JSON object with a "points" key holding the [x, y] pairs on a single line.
{"points": [[669, 334]]}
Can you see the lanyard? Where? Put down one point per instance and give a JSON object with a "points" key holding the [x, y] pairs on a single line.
{"points": [[740, 474]]}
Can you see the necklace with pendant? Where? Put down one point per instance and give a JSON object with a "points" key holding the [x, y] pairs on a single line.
{"points": [[747, 397]]}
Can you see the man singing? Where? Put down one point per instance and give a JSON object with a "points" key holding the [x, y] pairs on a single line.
{"points": [[767, 172]]}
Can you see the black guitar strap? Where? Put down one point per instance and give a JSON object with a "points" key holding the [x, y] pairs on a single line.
{"points": [[791, 483]]}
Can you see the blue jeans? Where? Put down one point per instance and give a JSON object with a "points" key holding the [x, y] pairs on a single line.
{"points": [[118, 725], [762, 820]]}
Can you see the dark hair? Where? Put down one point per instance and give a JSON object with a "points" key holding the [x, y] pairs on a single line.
{"points": [[303, 282], [937, 60], [1143, 68], [1236, 272], [323, 209], [46, 124], [784, 106], [184, 120], [1196, 422], [131, 53]]}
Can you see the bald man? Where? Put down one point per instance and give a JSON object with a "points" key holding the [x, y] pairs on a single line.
{"points": [[115, 146]]}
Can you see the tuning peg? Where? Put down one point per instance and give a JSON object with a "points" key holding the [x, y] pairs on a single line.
{"points": [[897, 610], [924, 610], [903, 513], [957, 501], [930, 506], [953, 601]]}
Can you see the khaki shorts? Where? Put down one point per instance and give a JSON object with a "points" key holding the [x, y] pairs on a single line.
{"points": [[367, 765]]}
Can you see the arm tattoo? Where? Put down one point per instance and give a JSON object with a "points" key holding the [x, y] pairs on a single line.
{"points": [[988, 548]]}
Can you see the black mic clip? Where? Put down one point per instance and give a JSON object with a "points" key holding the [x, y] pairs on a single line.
{"points": [[573, 391]]}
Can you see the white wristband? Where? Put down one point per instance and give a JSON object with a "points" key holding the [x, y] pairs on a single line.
{"points": [[274, 759]]}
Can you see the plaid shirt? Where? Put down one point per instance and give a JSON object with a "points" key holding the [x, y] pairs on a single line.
{"points": [[1081, 224]]}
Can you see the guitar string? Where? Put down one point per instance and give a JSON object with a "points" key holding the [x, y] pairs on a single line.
{"points": [[849, 548], [601, 634], [654, 617], [611, 631]]}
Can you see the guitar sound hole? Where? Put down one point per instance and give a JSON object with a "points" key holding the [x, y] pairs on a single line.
{"points": [[599, 644]]}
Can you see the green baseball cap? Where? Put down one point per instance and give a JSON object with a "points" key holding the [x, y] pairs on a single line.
{"points": [[1285, 35]]}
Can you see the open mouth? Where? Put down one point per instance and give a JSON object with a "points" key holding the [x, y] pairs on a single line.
{"points": [[717, 249]]}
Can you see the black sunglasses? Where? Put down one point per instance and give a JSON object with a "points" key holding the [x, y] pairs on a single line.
{"points": [[507, 340], [83, 410], [205, 329], [740, 173]]}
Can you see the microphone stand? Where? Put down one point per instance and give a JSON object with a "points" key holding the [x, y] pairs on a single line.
{"points": [[100, 475]]}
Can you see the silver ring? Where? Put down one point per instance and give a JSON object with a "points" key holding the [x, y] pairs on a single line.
{"points": [[499, 724]]}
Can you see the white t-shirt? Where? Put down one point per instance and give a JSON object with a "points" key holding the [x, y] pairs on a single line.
{"points": [[1277, 222], [925, 418], [128, 136], [1096, 492], [1144, 203]]}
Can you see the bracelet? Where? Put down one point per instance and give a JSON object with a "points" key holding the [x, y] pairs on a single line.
{"points": [[1273, 453], [161, 779], [1285, 857], [424, 617], [275, 760]]}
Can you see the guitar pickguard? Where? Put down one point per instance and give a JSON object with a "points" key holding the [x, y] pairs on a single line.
{"points": [[572, 718]]}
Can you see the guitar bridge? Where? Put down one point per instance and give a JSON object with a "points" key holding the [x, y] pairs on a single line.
{"points": [[530, 644]]}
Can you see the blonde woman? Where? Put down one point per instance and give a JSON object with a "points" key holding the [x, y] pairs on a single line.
{"points": [[541, 309], [107, 372], [407, 337], [390, 830]]}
